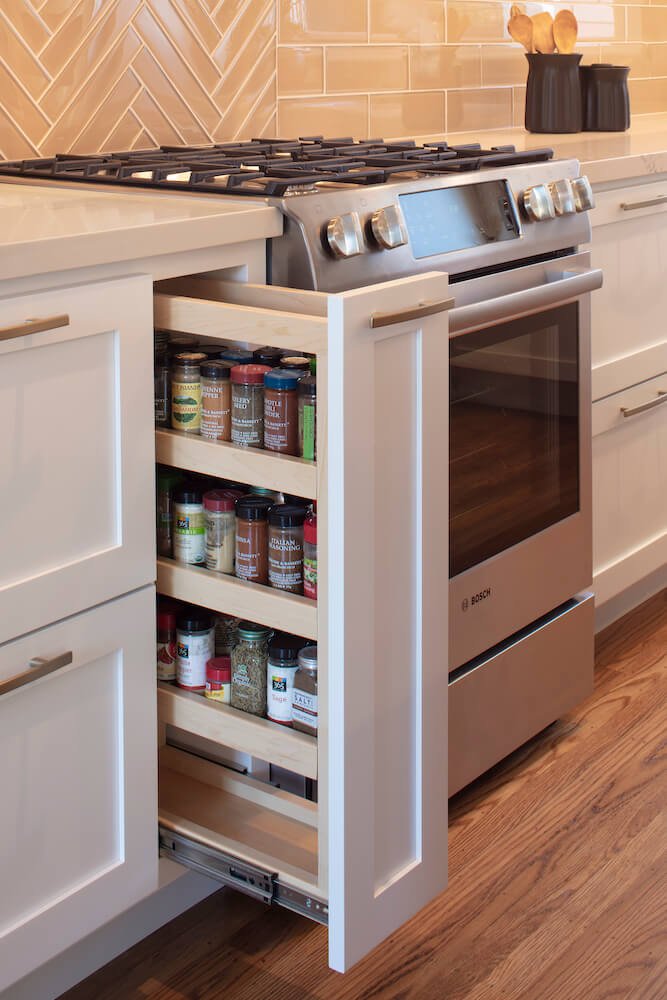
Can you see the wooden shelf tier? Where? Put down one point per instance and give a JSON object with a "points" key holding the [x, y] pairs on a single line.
{"points": [[227, 594], [244, 465], [226, 725]]}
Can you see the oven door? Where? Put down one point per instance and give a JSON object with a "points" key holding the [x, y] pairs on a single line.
{"points": [[520, 449]]}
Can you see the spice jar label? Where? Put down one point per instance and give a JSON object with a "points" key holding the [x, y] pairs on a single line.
{"points": [[194, 652], [309, 433], [166, 661], [186, 405], [304, 708]]}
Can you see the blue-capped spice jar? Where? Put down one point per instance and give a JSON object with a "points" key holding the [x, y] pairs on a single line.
{"points": [[281, 413]]}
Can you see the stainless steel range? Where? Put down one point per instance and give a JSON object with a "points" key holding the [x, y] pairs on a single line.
{"points": [[507, 227]]}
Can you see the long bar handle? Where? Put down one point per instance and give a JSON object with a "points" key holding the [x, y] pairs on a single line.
{"points": [[38, 667], [631, 411], [412, 312], [631, 206], [33, 326]]}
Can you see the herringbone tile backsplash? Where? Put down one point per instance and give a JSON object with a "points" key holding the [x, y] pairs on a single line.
{"points": [[83, 75]]}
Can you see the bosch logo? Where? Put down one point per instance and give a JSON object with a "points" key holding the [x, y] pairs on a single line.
{"points": [[475, 599]]}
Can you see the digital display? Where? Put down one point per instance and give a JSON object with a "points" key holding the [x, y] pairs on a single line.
{"points": [[443, 220]]}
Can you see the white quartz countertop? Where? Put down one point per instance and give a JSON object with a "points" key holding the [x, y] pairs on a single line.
{"points": [[46, 228], [605, 156]]}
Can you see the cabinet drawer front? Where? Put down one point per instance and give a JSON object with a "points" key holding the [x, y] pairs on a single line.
{"points": [[78, 782], [76, 450], [629, 486]]}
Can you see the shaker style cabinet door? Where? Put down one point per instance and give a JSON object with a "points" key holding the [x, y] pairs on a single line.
{"points": [[76, 450], [78, 782], [386, 615]]}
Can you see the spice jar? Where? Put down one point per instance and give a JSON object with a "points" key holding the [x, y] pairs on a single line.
{"points": [[249, 661], [252, 538], [285, 547], [216, 400], [268, 356], [261, 491], [182, 342], [281, 423], [219, 679], [281, 668], [166, 641], [220, 525], [248, 405], [186, 392], [307, 410], [304, 694], [299, 364], [195, 646], [189, 532], [167, 480], [310, 555], [226, 634], [161, 377], [237, 355]]}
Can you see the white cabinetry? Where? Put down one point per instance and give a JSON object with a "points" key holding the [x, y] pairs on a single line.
{"points": [[76, 450], [78, 779]]}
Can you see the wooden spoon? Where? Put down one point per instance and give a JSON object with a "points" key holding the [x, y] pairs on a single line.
{"points": [[565, 31], [543, 33], [520, 28], [515, 10]]}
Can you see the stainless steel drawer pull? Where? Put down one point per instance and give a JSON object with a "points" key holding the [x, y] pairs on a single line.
{"points": [[631, 411], [39, 667], [33, 326], [414, 312], [630, 206]]}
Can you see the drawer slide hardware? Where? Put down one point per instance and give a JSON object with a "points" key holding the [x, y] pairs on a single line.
{"points": [[237, 874]]}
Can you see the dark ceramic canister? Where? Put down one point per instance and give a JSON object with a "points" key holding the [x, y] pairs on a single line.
{"points": [[553, 93], [605, 98]]}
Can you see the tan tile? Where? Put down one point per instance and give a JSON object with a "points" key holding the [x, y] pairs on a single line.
{"points": [[300, 70], [186, 42], [475, 21], [433, 66], [334, 116], [304, 21], [470, 110], [17, 56], [26, 23], [648, 96], [243, 45], [119, 97], [518, 106], [644, 59], [647, 24], [241, 104], [503, 65], [600, 22], [398, 115], [354, 68], [407, 21]]}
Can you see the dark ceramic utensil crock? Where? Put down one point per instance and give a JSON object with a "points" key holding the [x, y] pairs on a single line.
{"points": [[605, 98], [553, 93]]}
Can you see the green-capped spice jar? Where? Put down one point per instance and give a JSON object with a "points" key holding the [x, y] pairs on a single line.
{"points": [[250, 658], [307, 416]]}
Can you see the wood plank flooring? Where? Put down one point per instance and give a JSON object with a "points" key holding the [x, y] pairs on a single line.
{"points": [[558, 877]]}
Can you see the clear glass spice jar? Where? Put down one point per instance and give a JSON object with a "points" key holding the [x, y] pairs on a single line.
{"points": [[162, 380], [216, 400], [296, 363], [195, 646], [310, 555], [285, 547], [186, 392], [252, 535], [167, 481], [248, 405], [220, 525], [189, 528], [268, 356], [281, 669], [307, 417], [281, 422], [304, 694], [249, 662]]}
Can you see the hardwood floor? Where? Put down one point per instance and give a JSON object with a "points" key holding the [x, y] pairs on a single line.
{"points": [[558, 877]]}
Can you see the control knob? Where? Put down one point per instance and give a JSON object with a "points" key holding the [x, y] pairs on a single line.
{"points": [[344, 235], [538, 203], [583, 194], [562, 196], [387, 228]]}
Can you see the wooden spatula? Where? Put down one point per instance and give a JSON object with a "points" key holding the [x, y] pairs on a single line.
{"points": [[565, 31], [520, 28], [543, 33]]}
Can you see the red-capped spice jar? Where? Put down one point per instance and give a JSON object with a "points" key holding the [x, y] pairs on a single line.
{"points": [[220, 524], [248, 405], [281, 412], [219, 679], [166, 642], [310, 555]]}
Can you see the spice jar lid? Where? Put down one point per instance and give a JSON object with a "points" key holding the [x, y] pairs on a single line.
{"points": [[263, 491], [238, 355], [167, 478], [268, 356], [281, 378], [285, 647], [187, 494], [307, 658], [253, 508], [249, 374], [308, 386], [310, 528], [216, 369], [219, 668], [194, 620], [219, 500], [250, 630], [299, 362], [190, 358], [166, 619], [287, 515]]}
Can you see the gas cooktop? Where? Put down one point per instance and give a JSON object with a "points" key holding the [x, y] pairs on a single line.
{"points": [[272, 167]]}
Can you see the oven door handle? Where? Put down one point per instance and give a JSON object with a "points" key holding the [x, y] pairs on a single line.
{"points": [[558, 288]]}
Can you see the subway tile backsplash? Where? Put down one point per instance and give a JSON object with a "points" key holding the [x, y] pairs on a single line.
{"points": [[93, 74]]}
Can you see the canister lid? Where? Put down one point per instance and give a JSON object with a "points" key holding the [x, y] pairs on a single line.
{"points": [[281, 378], [220, 500], [285, 647], [268, 356], [287, 515], [249, 374], [250, 630], [216, 369], [308, 386], [253, 508], [307, 658], [194, 620]]}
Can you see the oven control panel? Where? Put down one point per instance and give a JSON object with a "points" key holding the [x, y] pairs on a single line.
{"points": [[562, 197]]}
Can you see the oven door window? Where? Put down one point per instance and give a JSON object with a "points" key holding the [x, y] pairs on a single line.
{"points": [[513, 433]]}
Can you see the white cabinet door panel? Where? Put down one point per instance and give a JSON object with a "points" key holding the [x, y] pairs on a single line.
{"points": [[78, 781], [76, 452]]}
